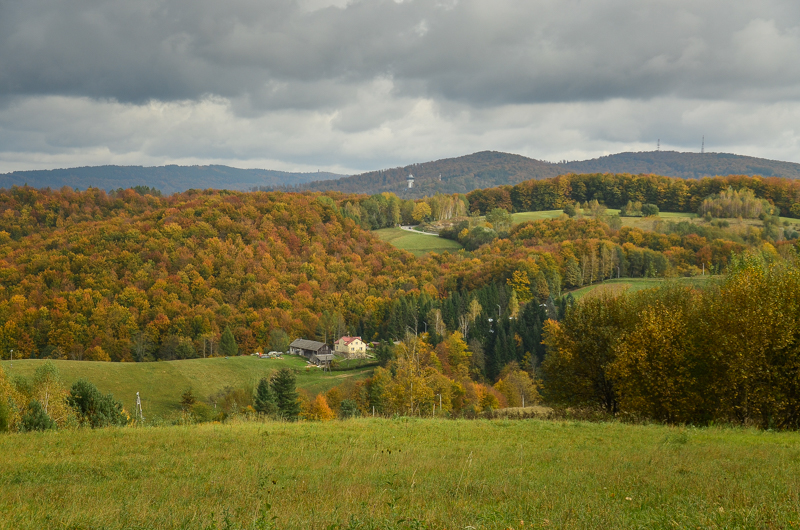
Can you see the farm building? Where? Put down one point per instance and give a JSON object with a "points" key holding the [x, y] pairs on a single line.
{"points": [[351, 347], [316, 352]]}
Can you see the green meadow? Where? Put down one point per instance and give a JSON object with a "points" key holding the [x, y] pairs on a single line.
{"points": [[402, 473], [417, 244], [160, 384], [631, 285], [521, 217]]}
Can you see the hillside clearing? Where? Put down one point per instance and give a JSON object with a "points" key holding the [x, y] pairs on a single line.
{"points": [[630, 285], [406, 473], [417, 244], [521, 217]]}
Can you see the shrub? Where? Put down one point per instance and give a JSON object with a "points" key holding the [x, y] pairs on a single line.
{"points": [[5, 415], [202, 412], [36, 419], [232, 400], [649, 210], [349, 409], [632, 209], [94, 408]]}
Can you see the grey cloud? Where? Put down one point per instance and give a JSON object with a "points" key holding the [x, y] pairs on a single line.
{"points": [[283, 54]]}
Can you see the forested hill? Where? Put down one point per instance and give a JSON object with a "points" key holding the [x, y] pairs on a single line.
{"points": [[488, 169], [684, 165], [450, 175], [168, 179]]}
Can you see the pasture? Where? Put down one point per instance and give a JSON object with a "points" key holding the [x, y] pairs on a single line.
{"points": [[521, 217], [161, 384], [418, 244], [630, 285], [403, 473]]}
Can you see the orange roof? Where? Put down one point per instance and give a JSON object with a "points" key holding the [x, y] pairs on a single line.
{"points": [[348, 340]]}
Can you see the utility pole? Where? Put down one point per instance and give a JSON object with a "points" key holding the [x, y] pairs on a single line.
{"points": [[412, 398], [139, 407]]}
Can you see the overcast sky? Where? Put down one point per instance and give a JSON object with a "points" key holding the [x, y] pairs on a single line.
{"points": [[350, 86]]}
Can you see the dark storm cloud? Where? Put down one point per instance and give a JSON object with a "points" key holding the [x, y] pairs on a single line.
{"points": [[275, 54]]}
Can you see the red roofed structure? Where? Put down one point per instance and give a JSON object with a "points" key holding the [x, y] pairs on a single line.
{"points": [[351, 347]]}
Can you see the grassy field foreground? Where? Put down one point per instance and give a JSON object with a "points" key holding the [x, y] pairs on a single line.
{"points": [[377, 473]]}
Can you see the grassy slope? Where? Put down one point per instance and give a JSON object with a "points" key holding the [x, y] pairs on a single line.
{"points": [[521, 217], [374, 473], [645, 223], [635, 284], [160, 384], [417, 244]]}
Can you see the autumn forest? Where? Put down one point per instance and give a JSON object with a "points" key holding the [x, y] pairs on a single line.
{"points": [[135, 276]]}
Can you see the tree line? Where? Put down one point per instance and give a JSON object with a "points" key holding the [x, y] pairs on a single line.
{"points": [[725, 353], [669, 194]]}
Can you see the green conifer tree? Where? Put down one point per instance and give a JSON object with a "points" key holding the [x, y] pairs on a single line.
{"points": [[36, 419], [264, 399], [187, 399], [227, 344], [283, 385]]}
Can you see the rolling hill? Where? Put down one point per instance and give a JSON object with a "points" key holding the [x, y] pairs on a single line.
{"points": [[162, 383], [168, 179], [490, 168], [450, 175]]}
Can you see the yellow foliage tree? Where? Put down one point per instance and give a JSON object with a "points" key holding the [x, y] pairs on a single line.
{"points": [[334, 397], [517, 386], [655, 364], [521, 284], [458, 353], [318, 410], [421, 212]]}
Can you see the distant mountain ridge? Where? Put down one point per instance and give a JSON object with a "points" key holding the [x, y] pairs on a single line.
{"points": [[490, 168], [168, 179], [462, 174]]}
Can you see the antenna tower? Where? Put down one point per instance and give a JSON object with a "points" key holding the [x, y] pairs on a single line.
{"points": [[658, 145], [703, 145]]}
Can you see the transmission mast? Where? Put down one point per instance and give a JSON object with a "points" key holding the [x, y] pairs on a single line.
{"points": [[703, 145], [658, 145]]}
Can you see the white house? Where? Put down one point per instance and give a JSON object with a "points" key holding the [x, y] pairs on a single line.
{"points": [[352, 347]]}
